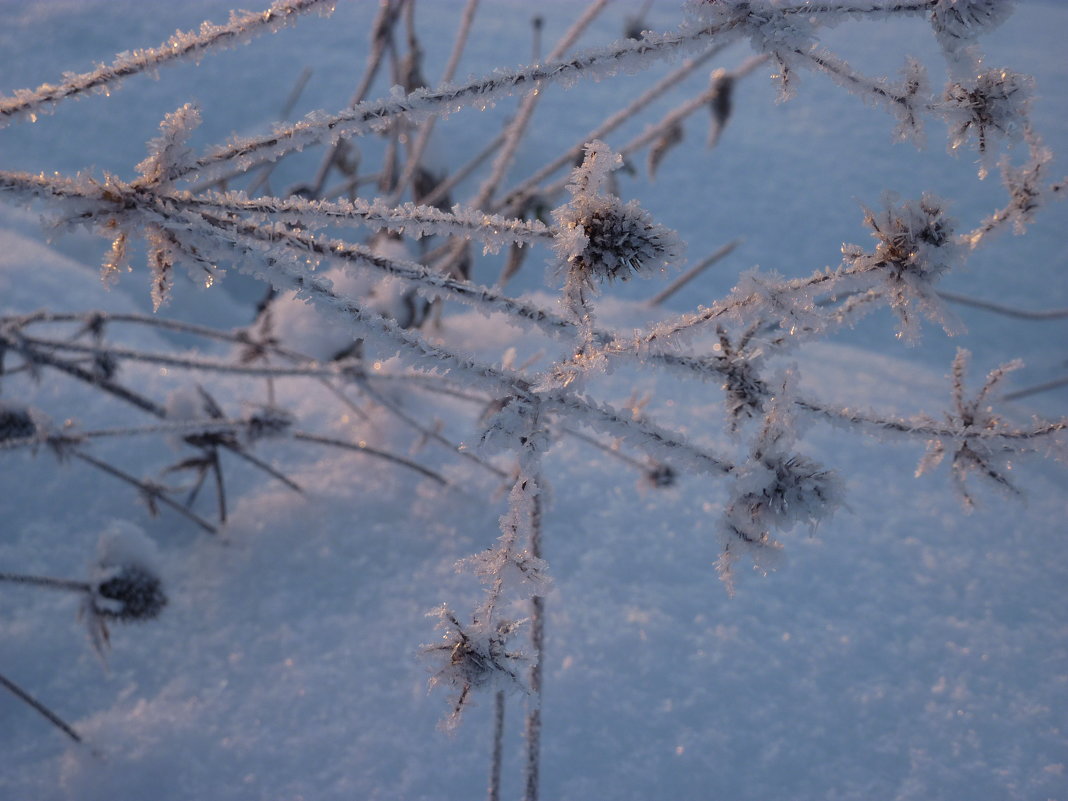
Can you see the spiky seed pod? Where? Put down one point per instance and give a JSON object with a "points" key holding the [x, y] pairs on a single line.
{"points": [[995, 106], [621, 241], [958, 22], [598, 237], [660, 476], [16, 422], [131, 594], [268, 422]]}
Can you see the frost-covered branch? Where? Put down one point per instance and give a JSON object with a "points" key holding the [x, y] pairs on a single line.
{"points": [[373, 115], [243, 26]]}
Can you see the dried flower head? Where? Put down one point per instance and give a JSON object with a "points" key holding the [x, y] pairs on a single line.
{"points": [[124, 584], [474, 657], [774, 489], [132, 593], [599, 237], [660, 476], [915, 246], [973, 454], [957, 23], [16, 422], [995, 107]]}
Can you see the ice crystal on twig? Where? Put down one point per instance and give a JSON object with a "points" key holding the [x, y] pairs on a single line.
{"points": [[473, 657], [168, 154], [986, 458], [957, 23], [994, 107], [915, 246]]}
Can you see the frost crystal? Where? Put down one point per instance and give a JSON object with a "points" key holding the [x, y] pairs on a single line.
{"points": [[986, 458], [994, 107], [474, 657], [168, 154], [957, 23], [915, 247]]}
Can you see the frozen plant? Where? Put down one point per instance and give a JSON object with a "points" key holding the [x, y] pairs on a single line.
{"points": [[366, 317]]}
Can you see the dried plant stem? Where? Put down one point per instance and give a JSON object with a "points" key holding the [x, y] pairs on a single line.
{"points": [[537, 643], [1001, 308], [497, 750], [519, 123], [46, 581], [51, 716], [426, 431], [151, 493], [426, 130], [692, 273], [361, 447], [180, 46], [372, 115], [567, 158]]}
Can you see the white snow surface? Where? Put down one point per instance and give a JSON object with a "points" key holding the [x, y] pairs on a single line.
{"points": [[903, 650]]}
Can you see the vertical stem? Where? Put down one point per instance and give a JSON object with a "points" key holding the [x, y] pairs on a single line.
{"points": [[537, 639], [494, 792], [427, 128]]}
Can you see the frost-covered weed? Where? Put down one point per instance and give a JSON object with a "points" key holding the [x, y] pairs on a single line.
{"points": [[368, 319]]}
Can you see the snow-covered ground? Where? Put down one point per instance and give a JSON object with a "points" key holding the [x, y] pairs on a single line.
{"points": [[904, 650]]}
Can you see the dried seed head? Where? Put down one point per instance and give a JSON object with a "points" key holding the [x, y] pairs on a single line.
{"points": [[660, 476], [16, 422], [599, 237], [131, 593]]}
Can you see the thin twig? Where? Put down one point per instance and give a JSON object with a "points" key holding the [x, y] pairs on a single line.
{"points": [[362, 447], [52, 717], [692, 273]]}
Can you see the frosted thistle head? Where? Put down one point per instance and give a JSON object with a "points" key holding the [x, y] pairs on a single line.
{"points": [[995, 106], [131, 593], [16, 422], [915, 247], [600, 238], [473, 657], [957, 23], [124, 586]]}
